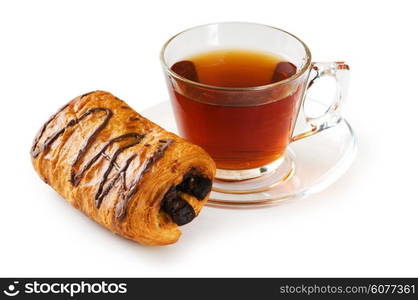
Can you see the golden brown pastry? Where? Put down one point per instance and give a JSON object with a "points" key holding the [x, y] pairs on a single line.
{"points": [[122, 170]]}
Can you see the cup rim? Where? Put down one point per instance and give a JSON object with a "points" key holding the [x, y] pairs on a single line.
{"points": [[299, 73]]}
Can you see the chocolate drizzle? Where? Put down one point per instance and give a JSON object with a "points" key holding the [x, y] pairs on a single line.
{"points": [[104, 190], [105, 185], [51, 139], [76, 177], [33, 150], [193, 183], [122, 205]]}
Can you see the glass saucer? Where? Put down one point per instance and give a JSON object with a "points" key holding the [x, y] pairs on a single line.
{"points": [[318, 161]]}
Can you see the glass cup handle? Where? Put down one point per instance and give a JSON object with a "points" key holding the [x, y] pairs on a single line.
{"points": [[332, 116]]}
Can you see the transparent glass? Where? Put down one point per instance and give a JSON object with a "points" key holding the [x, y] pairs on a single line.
{"points": [[319, 161], [196, 105]]}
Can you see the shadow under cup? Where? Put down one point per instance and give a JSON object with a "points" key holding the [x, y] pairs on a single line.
{"points": [[245, 130]]}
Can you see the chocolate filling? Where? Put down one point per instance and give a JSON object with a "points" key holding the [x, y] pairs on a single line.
{"points": [[195, 184], [179, 210]]}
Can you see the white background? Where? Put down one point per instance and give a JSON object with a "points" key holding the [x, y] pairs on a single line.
{"points": [[363, 225]]}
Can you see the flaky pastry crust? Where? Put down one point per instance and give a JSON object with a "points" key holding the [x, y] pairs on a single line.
{"points": [[122, 170]]}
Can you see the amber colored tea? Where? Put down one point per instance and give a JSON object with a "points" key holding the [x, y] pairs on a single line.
{"points": [[237, 136]]}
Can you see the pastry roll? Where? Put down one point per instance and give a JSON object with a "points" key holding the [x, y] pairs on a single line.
{"points": [[122, 170]]}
